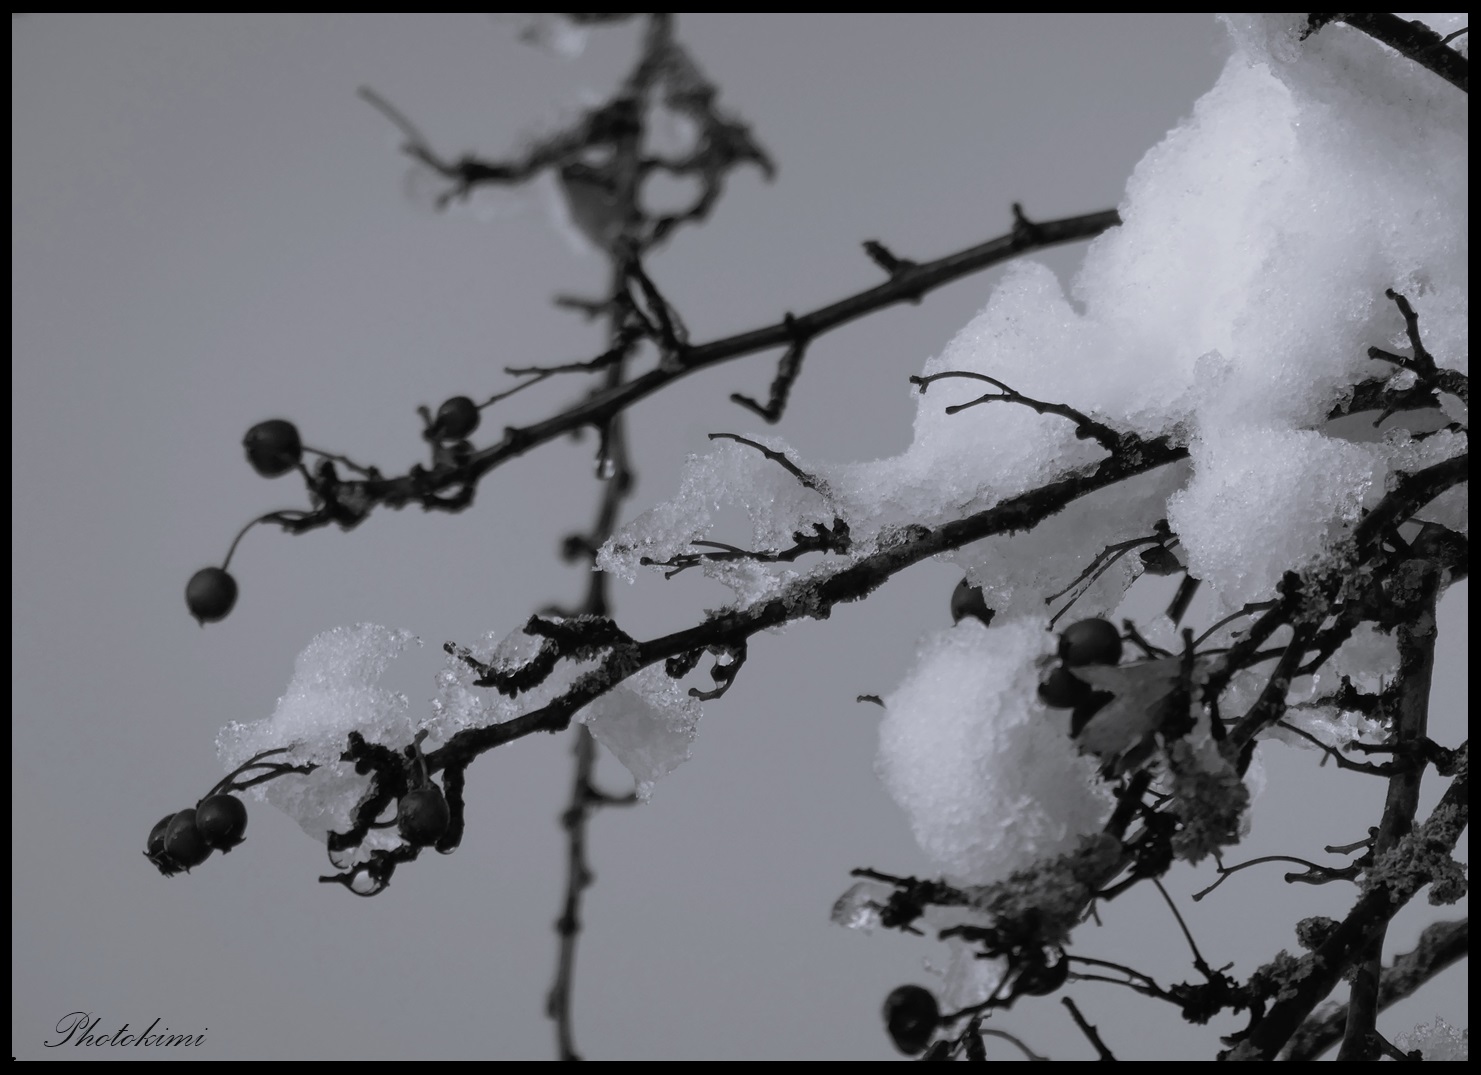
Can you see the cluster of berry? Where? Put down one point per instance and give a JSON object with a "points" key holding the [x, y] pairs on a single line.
{"points": [[185, 839], [273, 449], [1085, 643]]}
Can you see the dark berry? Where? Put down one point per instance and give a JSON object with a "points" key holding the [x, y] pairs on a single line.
{"points": [[966, 600], [911, 1016], [183, 841], [154, 850], [156, 842], [422, 816], [273, 447], [221, 821], [1039, 978], [1062, 690], [1090, 642], [455, 419], [210, 594]]}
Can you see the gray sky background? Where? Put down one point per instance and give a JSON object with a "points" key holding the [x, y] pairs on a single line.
{"points": [[209, 229]]}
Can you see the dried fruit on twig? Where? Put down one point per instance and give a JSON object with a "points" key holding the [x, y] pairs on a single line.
{"points": [[273, 447], [911, 1016], [210, 594]]}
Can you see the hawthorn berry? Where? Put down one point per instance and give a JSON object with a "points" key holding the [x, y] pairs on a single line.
{"points": [[273, 447], [154, 849], [1090, 642], [455, 419], [911, 1016], [967, 600], [1062, 690], [1038, 978], [221, 821], [183, 841], [156, 842], [210, 594], [422, 816]]}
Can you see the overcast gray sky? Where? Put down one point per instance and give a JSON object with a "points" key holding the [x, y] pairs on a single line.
{"points": [[209, 229]]}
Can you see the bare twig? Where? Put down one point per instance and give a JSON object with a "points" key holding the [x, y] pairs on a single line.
{"points": [[1143, 983], [1315, 874], [780, 458], [1198, 960], [1091, 1034], [1342, 760], [824, 538], [1028, 1053], [1103, 562], [1421, 363], [1378, 394], [788, 367], [1253, 607], [1086, 428]]}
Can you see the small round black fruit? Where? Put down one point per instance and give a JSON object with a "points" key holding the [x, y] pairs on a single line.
{"points": [[911, 1016], [210, 595], [455, 419], [221, 821], [422, 816], [154, 850], [967, 600], [156, 844], [1040, 978], [183, 841], [1090, 642], [1062, 690], [273, 447]]}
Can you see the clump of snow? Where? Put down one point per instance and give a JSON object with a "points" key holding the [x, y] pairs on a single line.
{"points": [[989, 778], [1437, 1041], [334, 690], [966, 979], [1265, 501], [647, 722], [1369, 659], [862, 906]]}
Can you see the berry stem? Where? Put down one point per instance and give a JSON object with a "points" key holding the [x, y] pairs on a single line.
{"points": [[228, 782], [270, 517], [368, 472]]}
